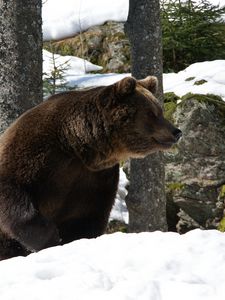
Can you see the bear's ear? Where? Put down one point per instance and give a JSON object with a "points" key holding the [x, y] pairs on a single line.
{"points": [[150, 83], [126, 86]]}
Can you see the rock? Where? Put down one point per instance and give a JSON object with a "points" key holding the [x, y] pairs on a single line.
{"points": [[195, 169], [104, 45]]}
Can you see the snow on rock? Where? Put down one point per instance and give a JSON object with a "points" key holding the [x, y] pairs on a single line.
{"points": [[66, 18], [145, 266], [183, 82], [76, 66]]}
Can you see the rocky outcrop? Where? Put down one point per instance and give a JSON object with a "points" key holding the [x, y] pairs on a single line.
{"points": [[104, 45], [195, 168]]}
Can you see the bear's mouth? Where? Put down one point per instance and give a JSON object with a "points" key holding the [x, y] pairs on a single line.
{"points": [[164, 144]]}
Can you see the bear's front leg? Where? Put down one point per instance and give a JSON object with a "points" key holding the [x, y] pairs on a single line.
{"points": [[76, 229], [21, 221]]}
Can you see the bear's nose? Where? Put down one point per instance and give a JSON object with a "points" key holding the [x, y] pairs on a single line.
{"points": [[177, 134]]}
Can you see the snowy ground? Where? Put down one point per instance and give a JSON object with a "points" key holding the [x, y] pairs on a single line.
{"points": [[146, 266]]}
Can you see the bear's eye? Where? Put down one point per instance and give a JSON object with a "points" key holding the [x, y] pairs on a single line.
{"points": [[124, 119]]}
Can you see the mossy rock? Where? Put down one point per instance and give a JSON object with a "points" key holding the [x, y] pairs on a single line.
{"points": [[210, 98], [171, 102], [189, 78], [200, 82], [169, 109], [170, 105], [221, 226], [170, 97], [175, 186], [215, 100], [195, 171], [105, 45], [222, 192], [115, 226]]}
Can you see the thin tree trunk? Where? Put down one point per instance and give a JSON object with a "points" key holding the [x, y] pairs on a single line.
{"points": [[20, 58], [146, 200]]}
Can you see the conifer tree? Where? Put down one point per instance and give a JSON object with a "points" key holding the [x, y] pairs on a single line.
{"points": [[192, 32]]}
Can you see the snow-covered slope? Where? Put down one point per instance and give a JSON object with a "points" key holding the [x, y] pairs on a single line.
{"points": [[76, 65], [146, 266], [65, 18]]}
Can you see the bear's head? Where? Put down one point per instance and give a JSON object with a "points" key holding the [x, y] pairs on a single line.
{"points": [[134, 119], [116, 122]]}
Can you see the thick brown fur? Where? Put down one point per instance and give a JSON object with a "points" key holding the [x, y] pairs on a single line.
{"points": [[59, 162]]}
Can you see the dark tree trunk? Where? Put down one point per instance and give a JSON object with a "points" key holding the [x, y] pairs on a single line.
{"points": [[146, 200], [20, 58]]}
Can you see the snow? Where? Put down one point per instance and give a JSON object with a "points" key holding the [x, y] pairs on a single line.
{"points": [[119, 211], [76, 65], [211, 71], [77, 71], [221, 3], [92, 80], [66, 18], [181, 83], [145, 266]]}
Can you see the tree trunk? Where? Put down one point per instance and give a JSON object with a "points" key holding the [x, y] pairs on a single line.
{"points": [[20, 58], [146, 200]]}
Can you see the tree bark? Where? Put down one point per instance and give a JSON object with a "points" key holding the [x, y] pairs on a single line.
{"points": [[146, 200], [20, 58]]}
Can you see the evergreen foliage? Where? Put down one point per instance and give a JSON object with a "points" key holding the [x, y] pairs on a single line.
{"points": [[192, 32], [55, 81]]}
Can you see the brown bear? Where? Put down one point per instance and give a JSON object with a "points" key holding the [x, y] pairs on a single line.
{"points": [[59, 162]]}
